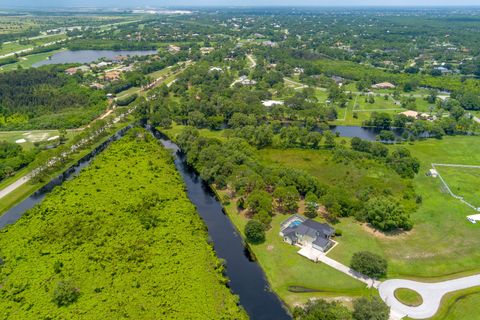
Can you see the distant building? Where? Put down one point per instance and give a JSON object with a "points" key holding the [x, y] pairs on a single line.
{"points": [[206, 50], [112, 75], [215, 69], [418, 115], [298, 70], [174, 49], [338, 80], [97, 86], [384, 85], [271, 103], [270, 44], [72, 71], [247, 82]]}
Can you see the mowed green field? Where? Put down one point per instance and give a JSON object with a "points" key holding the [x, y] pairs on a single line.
{"points": [[31, 136], [464, 182], [126, 239]]}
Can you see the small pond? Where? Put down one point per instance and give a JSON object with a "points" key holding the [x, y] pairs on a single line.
{"points": [[88, 56], [361, 132]]}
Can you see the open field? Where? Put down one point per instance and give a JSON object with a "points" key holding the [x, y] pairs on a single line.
{"points": [[463, 182], [16, 46]]}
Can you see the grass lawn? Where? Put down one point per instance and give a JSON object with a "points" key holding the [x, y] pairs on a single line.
{"points": [[463, 182], [409, 297], [31, 136], [285, 268]]}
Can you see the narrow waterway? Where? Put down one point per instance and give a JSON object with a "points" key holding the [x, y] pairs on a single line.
{"points": [[247, 278]]}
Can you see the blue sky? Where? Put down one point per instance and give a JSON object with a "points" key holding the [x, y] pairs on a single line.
{"points": [[163, 3]]}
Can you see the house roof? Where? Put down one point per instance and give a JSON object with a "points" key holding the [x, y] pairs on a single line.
{"points": [[322, 228], [321, 242]]}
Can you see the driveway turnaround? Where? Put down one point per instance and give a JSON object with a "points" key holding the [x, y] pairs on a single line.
{"points": [[431, 293]]}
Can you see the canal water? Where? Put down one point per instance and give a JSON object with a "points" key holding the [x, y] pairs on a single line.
{"points": [[247, 279], [88, 56]]}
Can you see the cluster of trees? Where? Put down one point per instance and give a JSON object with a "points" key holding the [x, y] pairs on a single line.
{"points": [[399, 160], [366, 308], [369, 264], [46, 98], [261, 190], [13, 158], [265, 190], [457, 123]]}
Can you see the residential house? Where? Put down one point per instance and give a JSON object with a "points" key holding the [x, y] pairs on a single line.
{"points": [[174, 49], [206, 50], [215, 69], [247, 82], [303, 232], [419, 115], [271, 103], [72, 71], [384, 85], [112, 75], [338, 80]]}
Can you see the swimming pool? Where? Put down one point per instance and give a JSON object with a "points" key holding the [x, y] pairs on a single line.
{"points": [[295, 223]]}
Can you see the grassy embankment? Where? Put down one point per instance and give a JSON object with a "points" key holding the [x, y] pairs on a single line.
{"points": [[127, 239]]}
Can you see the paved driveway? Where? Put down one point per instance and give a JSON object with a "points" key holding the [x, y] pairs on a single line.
{"points": [[431, 293]]}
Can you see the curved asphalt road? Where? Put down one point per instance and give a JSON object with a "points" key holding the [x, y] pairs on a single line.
{"points": [[431, 293]]}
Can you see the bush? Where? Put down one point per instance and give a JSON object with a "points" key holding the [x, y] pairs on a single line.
{"points": [[65, 293], [386, 214], [338, 232], [311, 205], [370, 309], [255, 231], [322, 309], [369, 264]]}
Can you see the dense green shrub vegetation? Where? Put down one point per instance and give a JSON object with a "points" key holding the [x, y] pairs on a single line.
{"points": [[46, 98], [119, 241], [371, 308], [255, 231], [369, 264], [322, 309]]}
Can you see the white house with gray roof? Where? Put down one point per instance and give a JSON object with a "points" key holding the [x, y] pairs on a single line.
{"points": [[303, 232]]}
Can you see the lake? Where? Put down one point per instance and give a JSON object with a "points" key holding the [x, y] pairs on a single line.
{"points": [[88, 56]]}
